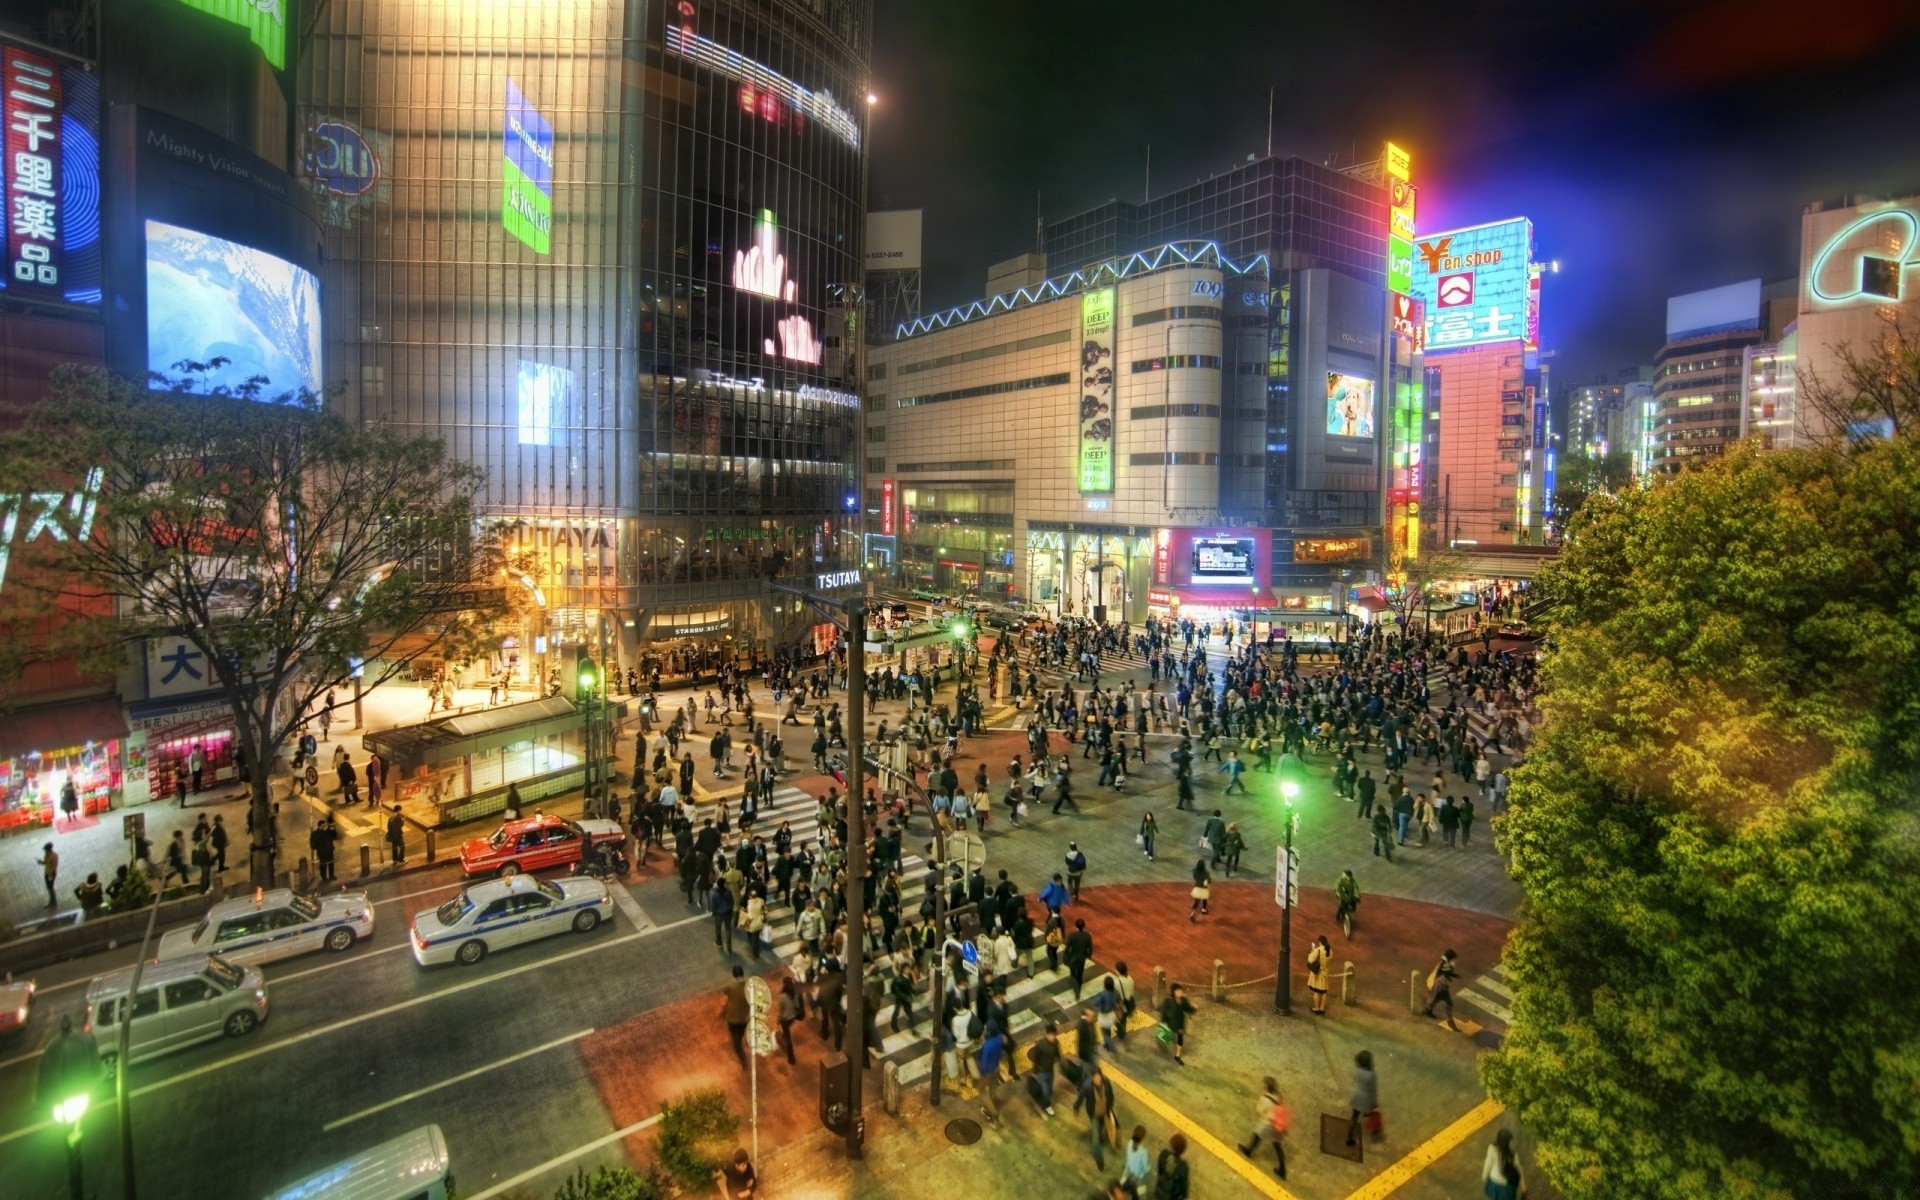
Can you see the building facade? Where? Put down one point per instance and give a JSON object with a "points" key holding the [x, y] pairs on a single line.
{"points": [[1857, 277], [609, 251], [1094, 445]]}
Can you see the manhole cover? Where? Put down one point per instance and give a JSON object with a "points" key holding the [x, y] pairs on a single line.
{"points": [[962, 1132]]}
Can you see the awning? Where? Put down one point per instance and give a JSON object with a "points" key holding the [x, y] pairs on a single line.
{"points": [[43, 727], [449, 739], [1372, 604]]}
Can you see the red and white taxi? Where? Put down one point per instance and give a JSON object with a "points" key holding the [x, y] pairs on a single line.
{"points": [[536, 843]]}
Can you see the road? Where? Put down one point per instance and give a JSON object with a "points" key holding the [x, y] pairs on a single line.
{"points": [[365, 1045]]}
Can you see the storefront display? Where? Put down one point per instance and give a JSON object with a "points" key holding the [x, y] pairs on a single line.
{"points": [[162, 740], [30, 784]]}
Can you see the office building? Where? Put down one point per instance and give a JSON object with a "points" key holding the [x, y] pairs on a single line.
{"points": [[607, 251], [1856, 262], [1703, 386], [1603, 416]]}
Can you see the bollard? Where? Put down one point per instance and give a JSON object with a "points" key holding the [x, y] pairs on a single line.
{"points": [[433, 844], [1219, 981], [1159, 987], [1413, 991], [366, 860], [1349, 990], [890, 1090]]}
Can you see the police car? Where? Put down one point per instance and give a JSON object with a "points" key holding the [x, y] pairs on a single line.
{"points": [[273, 925], [506, 912]]}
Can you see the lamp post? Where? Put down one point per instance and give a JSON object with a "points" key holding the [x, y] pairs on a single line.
{"points": [[1290, 769]]}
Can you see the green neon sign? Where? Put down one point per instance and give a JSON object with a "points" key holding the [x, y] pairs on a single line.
{"points": [[264, 20]]}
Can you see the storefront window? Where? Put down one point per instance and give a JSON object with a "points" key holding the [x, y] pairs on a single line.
{"points": [[30, 785]]}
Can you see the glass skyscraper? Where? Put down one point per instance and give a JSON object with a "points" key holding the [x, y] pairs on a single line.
{"points": [[605, 249]]}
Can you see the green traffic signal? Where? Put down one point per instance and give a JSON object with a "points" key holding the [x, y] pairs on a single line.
{"points": [[588, 674]]}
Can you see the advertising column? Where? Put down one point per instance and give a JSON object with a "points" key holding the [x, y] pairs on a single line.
{"points": [[1404, 335], [1097, 411]]}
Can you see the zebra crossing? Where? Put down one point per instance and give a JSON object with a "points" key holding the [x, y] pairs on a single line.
{"points": [[1040, 995], [1489, 994]]}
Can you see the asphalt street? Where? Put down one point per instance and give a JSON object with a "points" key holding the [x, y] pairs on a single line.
{"points": [[365, 1045]]}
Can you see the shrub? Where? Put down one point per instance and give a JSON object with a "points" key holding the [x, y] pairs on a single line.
{"points": [[694, 1134], [612, 1183]]}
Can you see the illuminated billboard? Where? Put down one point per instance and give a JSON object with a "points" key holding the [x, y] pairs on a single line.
{"points": [[1475, 284], [264, 20], [540, 402], [1400, 206], [1097, 410], [1223, 560], [526, 174], [211, 298], [1349, 406], [52, 171]]}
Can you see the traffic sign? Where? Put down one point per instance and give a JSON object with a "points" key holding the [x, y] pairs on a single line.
{"points": [[133, 825], [760, 1035]]}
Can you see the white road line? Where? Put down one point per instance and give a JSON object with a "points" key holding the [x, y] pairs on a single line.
{"points": [[628, 906], [349, 960], [330, 1126], [17, 1059], [350, 1022], [561, 1160], [1495, 986], [1481, 1002], [423, 892]]}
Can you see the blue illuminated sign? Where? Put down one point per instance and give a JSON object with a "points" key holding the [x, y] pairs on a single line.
{"points": [[1474, 284]]}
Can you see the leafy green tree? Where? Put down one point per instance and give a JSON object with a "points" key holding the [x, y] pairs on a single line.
{"points": [[1716, 969], [287, 545], [1581, 476]]}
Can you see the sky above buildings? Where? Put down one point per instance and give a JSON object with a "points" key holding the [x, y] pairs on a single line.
{"points": [[1659, 147]]}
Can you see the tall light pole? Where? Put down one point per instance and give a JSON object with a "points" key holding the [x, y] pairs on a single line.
{"points": [[1290, 769]]}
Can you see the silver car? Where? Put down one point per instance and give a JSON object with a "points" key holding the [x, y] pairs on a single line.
{"points": [[273, 925]]}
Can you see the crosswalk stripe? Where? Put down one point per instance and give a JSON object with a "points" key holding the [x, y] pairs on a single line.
{"points": [[1481, 1002], [1493, 984]]}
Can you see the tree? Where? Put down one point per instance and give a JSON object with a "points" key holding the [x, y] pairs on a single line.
{"points": [[1717, 836], [1582, 476], [287, 546], [1423, 574], [1876, 388]]}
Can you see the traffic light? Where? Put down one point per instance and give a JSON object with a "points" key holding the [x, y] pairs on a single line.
{"points": [[587, 679], [960, 631]]}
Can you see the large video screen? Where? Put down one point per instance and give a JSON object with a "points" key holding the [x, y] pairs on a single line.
{"points": [[540, 398], [1349, 406], [1222, 560], [211, 298]]}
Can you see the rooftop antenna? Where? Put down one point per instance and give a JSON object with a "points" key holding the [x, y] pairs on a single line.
{"points": [[1270, 91], [1146, 192], [1039, 225]]}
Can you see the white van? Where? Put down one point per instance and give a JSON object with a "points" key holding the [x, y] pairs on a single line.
{"points": [[412, 1166], [180, 1002]]}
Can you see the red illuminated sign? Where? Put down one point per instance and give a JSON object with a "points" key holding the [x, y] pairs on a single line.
{"points": [[886, 507]]}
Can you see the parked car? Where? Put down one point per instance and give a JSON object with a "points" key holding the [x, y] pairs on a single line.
{"points": [[499, 913], [16, 1005], [536, 843], [180, 1002], [273, 925]]}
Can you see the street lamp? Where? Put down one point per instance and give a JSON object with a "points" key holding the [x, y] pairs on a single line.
{"points": [[1290, 769], [69, 1072]]}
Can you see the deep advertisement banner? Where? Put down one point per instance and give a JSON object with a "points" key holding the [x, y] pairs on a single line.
{"points": [[1097, 411], [264, 20], [526, 187], [52, 173]]}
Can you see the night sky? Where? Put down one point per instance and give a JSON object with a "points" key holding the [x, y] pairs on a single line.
{"points": [[1659, 147]]}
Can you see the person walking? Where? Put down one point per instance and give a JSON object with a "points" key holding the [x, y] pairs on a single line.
{"points": [[1440, 986], [722, 910], [1202, 891], [1149, 830], [1231, 850], [197, 766], [1171, 1177], [735, 1011], [219, 840], [1364, 1100], [1464, 804], [1365, 788], [1449, 818], [320, 842], [1078, 951], [1346, 892], [1133, 1176], [349, 780], [993, 1052], [1076, 868], [176, 860], [50, 871], [789, 1010], [1270, 1122], [1319, 960], [1096, 1098], [1214, 834], [1500, 1177], [1174, 1011], [1234, 769], [203, 859], [1383, 833], [753, 918], [396, 836], [1403, 814]]}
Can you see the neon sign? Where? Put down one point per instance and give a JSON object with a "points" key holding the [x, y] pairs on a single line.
{"points": [[52, 205], [1878, 277], [1474, 284], [61, 516], [770, 89]]}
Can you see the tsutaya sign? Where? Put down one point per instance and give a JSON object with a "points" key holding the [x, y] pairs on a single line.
{"points": [[56, 516], [264, 20], [835, 580]]}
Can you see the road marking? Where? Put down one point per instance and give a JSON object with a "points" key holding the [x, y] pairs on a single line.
{"points": [[1428, 1152], [330, 1126], [628, 906], [422, 892], [17, 1059], [336, 1026], [1493, 984], [337, 963], [1242, 1166], [1481, 1002], [561, 1160]]}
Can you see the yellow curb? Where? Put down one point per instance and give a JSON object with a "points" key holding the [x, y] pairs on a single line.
{"points": [[1262, 1180], [1428, 1152]]}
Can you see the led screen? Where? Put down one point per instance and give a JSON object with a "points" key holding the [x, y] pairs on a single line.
{"points": [[540, 400], [1349, 406], [1222, 560], [211, 298], [1474, 283], [526, 180]]}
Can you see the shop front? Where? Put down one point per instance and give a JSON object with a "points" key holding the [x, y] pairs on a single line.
{"points": [[45, 747], [163, 735], [459, 768], [1082, 573]]}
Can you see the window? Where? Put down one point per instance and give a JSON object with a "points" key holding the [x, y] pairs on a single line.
{"points": [[1157, 411], [1195, 312], [980, 464], [146, 1003], [241, 927], [876, 433], [496, 909], [188, 991], [1179, 458], [988, 389], [1177, 361]]}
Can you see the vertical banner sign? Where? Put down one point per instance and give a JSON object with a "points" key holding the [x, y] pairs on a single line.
{"points": [[34, 150], [1097, 411], [526, 187], [1399, 220], [886, 508]]}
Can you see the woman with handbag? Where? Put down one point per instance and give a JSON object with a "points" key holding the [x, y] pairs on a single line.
{"points": [[1202, 890], [1149, 829], [1364, 1100], [1270, 1122]]}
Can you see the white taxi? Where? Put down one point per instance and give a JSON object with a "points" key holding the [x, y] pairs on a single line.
{"points": [[273, 925], [506, 912]]}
